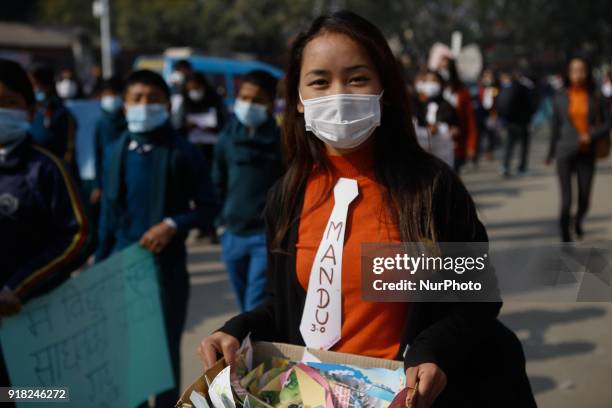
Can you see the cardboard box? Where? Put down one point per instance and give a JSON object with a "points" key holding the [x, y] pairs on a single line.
{"points": [[263, 350]]}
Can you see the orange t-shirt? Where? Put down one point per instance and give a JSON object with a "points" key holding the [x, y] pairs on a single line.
{"points": [[368, 328], [578, 109]]}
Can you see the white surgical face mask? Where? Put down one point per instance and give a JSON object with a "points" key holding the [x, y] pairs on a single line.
{"points": [[606, 89], [429, 88], [66, 88], [14, 125], [250, 114], [146, 117], [342, 121], [111, 103], [196, 95], [177, 78]]}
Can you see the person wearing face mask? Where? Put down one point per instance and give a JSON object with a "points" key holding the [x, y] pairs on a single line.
{"points": [[68, 86], [180, 71], [202, 114], [155, 189], [356, 174], [436, 119], [486, 113], [53, 126], [44, 231], [516, 105], [108, 128], [246, 164]]}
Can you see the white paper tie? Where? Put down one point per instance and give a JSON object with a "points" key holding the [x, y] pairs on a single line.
{"points": [[322, 317]]}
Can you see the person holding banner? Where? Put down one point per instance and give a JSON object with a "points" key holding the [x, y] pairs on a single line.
{"points": [[201, 114], [357, 174], [156, 188], [44, 232]]}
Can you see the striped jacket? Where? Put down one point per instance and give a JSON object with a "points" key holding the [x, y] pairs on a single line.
{"points": [[44, 232]]}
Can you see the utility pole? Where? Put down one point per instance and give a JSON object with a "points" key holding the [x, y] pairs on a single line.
{"points": [[101, 10], [456, 43]]}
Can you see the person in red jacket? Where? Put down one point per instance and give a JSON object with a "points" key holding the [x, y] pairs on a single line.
{"points": [[457, 94]]}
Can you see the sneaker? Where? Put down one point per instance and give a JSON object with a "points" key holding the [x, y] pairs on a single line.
{"points": [[578, 230], [504, 172]]}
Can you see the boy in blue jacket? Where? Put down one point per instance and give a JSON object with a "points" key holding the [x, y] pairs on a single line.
{"points": [[44, 232], [156, 188]]}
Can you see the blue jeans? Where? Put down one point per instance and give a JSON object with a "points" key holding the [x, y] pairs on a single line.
{"points": [[245, 258]]}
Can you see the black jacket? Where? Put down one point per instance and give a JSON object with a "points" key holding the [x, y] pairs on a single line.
{"points": [[243, 170], [516, 103], [44, 231], [464, 339], [181, 190]]}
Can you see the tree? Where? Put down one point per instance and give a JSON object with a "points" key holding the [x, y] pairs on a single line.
{"points": [[541, 31]]}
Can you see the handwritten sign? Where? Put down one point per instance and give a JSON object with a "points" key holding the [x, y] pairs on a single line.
{"points": [[100, 334], [322, 317]]}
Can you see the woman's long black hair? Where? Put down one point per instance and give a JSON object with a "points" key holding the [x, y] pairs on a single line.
{"points": [[406, 172]]}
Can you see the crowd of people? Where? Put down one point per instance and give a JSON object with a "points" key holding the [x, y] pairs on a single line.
{"points": [[459, 128], [171, 158], [463, 124]]}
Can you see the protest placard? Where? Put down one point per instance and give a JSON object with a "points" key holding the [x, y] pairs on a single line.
{"points": [[101, 334]]}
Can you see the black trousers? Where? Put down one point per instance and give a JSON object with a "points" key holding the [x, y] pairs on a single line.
{"points": [[490, 136], [516, 133], [583, 165], [174, 286]]}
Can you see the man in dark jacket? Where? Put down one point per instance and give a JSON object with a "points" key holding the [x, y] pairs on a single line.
{"points": [[516, 105], [155, 190], [246, 164], [44, 233]]}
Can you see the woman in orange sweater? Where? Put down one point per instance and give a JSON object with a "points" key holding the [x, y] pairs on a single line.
{"points": [[580, 118], [357, 174]]}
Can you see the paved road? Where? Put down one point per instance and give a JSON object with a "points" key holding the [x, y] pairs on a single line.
{"points": [[568, 345]]}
